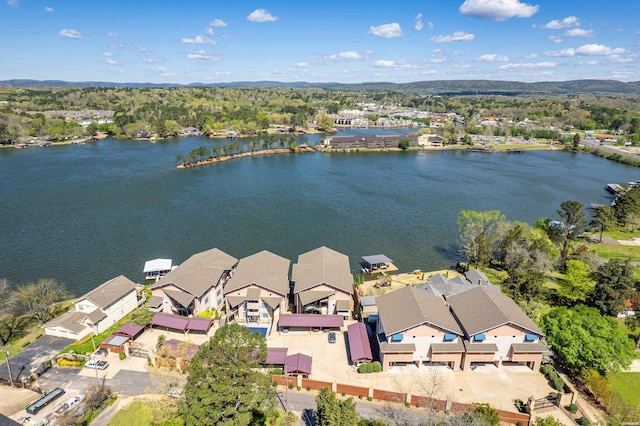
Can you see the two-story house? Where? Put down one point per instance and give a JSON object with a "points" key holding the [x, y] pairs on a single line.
{"points": [[495, 329], [323, 283], [258, 289], [416, 327], [196, 285], [97, 310]]}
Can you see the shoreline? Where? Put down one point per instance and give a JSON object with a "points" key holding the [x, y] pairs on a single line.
{"points": [[221, 159]]}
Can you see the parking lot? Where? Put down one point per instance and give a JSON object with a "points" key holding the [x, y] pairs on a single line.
{"points": [[486, 383]]}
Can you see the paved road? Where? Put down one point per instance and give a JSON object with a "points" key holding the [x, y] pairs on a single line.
{"points": [[33, 355], [124, 382], [594, 143]]}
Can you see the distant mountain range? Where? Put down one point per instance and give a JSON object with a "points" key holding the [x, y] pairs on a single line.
{"points": [[436, 87]]}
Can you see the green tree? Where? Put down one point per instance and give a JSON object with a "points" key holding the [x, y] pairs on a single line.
{"points": [[583, 338], [477, 232], [224, 384], [576, 141], [39, 300], [627, 208], [605, 219], [92, 128], [572, 216], [578, 278], [325, 123], [547, 421], [486, 413], [614, 284], [333, 412], [171, 127], [404, 144], [12, 324]]}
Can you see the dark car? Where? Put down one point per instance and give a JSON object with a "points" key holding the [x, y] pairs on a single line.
{"points": [[332, 337]]}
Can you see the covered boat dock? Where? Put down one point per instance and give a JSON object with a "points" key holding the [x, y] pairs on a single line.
{"points": [[377, 263]]}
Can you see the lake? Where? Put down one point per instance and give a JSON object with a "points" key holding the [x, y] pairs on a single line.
{"points": [[85, 214]]}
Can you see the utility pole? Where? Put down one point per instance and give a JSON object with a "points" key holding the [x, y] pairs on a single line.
{"points": [[6, 355]]}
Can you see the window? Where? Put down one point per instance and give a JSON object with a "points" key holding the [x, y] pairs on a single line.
{"points": [[480, 337], [219, 291], [397, 337], [449, 337], [206, 301], [530, 337]]}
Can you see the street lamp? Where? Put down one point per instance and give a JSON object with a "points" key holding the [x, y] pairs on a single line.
{"points": [[6, 355]]}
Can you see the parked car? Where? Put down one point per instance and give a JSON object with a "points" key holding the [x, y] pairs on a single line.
{"points": [[175, 393], [332, 337], [99, 365]]}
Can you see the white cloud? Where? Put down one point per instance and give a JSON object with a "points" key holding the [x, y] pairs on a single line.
{"points": [[261, 15], [202, 55], [430, 25], [107, 54], [419, 25], [69, 33], [386, 30], [349, 55], [557, 24], [198, 40], [457, 36], [588, 62], [303, 65], [579, 32], [112, 61], [623, 59], [48, 9], [492, 57], [217, 23], [497, 10], [556, 39], [13, 3], [151, 59], [210, 32], [621, 75], [112, 34], [528, 65], [587, 50], [383, 63], [531, 56]]}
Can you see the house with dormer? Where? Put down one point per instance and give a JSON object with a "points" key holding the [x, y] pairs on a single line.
{"points": [[194, 286], [416, 327], [495, 329], [323, 283], [258, 289], [97, 310]]}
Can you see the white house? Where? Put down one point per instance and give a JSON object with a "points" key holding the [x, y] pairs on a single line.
{"points": [[97, 310]]}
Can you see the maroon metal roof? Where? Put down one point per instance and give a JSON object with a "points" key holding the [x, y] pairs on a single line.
{"points": [[199, 324], [276, 356], [129, 330], [298, 364], [175, 322], [359, 346], [311, 321]]}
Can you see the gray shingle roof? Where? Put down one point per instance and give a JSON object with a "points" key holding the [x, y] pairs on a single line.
{"points": [[322, 266], [397, 347], [110, 292], [482, 309], [71, 320], [200, 272], [408, 307], [184, 299], [264, 269], [311, 296]]}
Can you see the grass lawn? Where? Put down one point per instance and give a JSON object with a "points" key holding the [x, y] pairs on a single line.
{"points": [[627, 385], [16, 346], [616, 251], [137, 414], [634, 334], [86, 346], [622, 234]]}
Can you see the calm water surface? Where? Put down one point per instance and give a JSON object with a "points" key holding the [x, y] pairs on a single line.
{"points": [[84, 214]]}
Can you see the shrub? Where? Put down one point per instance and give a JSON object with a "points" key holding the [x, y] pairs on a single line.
{"points": [[362, 368], [161, 339], [359, 396], [584, 421], [290, 386], [298, 387], [122, 355], [276, 372], [377, 367], [369, 368], [39, 336], [558, 383], [308, 388], [552, 375], [573, 408], [546, 369], [25, 344], [369, 398], [344, 394]]}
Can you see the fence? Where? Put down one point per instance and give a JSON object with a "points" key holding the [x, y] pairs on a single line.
{"points": [[395, 397]]}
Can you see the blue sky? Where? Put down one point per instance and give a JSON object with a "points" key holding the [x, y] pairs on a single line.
{"points": [[322, 41]]}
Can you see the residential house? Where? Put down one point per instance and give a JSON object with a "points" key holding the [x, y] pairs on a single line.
{"points": [[495, 329], [323, 283], [416, 327], [258, 289], [97, 310], [196, 285], [444, 287]]}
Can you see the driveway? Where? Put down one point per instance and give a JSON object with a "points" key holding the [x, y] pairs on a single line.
{"points": [[33, 355]]}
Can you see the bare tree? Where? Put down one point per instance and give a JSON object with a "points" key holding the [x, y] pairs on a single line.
{"points": [[38, 300], [11, 323]]}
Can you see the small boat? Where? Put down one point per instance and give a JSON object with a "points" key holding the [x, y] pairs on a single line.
{"points": [[79, 142]]}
